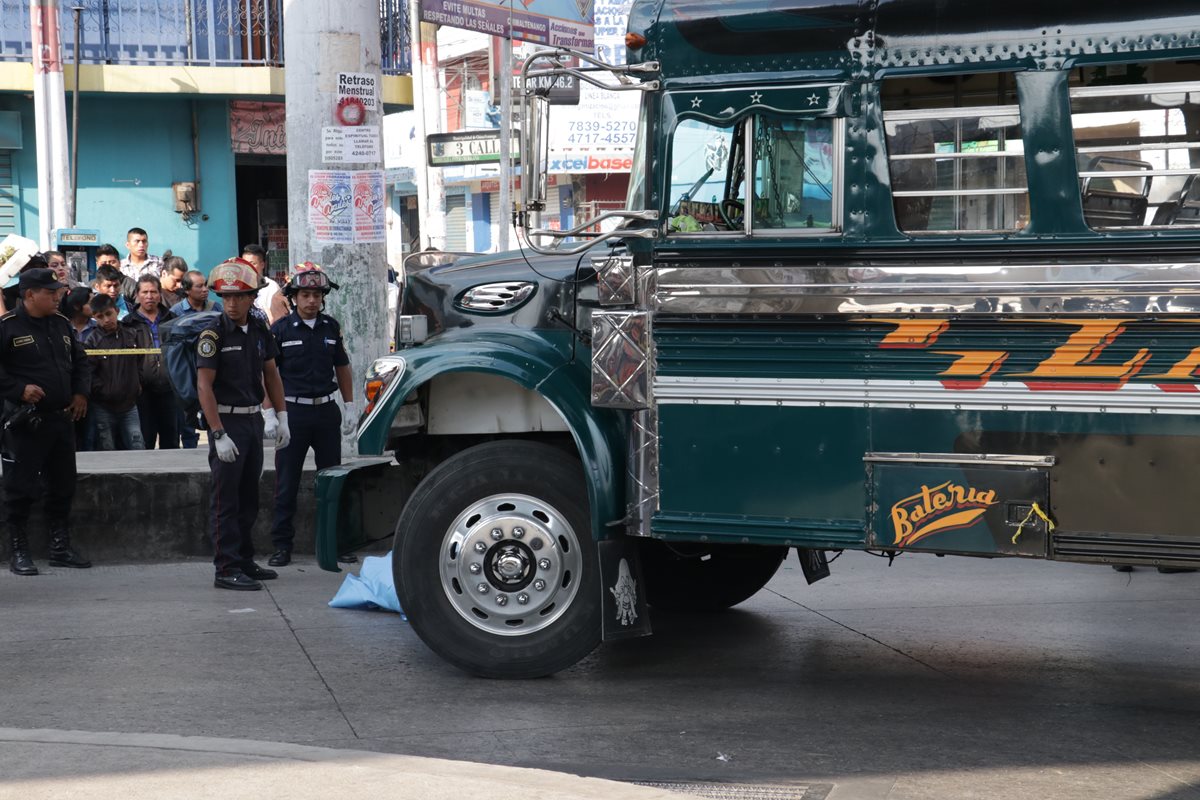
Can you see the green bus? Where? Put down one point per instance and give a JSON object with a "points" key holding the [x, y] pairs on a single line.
{"points": [[904, 276]]}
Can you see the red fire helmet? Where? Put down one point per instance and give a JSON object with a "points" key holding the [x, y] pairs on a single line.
{"points": [[233, 276]]}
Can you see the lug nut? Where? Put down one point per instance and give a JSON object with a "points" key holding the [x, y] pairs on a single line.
{"points": [[480, 547], [482, 588], [539, 584], [543, 563], [518, 533], [536, 544], [497, 534], [475, 569], [501, 599], [522, 598]]}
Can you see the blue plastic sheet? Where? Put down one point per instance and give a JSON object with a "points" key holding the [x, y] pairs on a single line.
{"points": [[371, 588]]}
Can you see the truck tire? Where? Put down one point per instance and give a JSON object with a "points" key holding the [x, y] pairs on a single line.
{"points": [[690, 577], [494, 561]]}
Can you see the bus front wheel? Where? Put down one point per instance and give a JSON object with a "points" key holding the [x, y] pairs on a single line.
{"points": [[494, 562]]}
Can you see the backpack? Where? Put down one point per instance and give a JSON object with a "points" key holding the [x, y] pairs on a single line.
{"points": [[179, 337]]}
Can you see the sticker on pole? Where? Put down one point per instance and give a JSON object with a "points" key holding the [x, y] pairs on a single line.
{"points": [[360, 86]]}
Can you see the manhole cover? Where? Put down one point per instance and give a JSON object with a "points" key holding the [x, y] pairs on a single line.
{"points": [[745, 791]]}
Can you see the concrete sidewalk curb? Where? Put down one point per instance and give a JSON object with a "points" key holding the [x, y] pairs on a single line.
{"points": [[301, 772]]}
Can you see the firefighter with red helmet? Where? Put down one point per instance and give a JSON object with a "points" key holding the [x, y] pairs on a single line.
{"points": [[315, 371], [235, 360]]}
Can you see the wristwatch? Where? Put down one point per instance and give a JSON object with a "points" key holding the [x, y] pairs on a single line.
{"points": [[219, 434]]}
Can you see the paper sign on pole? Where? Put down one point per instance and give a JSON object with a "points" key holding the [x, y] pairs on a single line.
{"points": [[369, 224], [353, 145], [361, 86], [329, 206]]}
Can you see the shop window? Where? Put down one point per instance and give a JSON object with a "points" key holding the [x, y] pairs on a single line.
{"points": [[1137, 145]]}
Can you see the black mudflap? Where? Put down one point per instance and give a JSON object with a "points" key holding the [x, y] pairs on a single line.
{"points": [[625, 612]]}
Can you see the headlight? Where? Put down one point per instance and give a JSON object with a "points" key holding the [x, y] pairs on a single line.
{"points": [[496, 298]]}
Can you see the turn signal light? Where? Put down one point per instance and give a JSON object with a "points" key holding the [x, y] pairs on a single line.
{"points": [[379, 376], [634, 41]]}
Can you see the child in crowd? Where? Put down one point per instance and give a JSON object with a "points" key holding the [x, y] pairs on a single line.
{"points": [[76, 307], [116, 381]]}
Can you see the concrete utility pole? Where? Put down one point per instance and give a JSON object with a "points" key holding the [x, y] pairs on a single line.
{"points": [[50, 123], [323, 39], [427, 101]]}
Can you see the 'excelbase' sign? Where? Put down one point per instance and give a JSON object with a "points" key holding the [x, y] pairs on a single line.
{"points": [[581, 162]]}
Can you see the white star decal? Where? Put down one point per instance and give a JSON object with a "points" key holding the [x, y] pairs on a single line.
{"points": [[756, 97], [813, 99], [695, 102]]}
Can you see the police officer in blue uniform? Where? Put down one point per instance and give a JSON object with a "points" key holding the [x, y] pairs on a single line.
{"points": [[235, 357], [315, 370], [44, 380]]}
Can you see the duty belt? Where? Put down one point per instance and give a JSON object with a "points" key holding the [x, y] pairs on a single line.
{"points": [[238, 409], [313, 401]]}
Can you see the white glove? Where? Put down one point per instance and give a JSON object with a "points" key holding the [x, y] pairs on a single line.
{"points": [[271, 423], [283, 434], [349, 418], [226, 450]]}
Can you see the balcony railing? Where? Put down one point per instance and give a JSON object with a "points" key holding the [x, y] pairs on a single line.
{"points": [[183, 32]]}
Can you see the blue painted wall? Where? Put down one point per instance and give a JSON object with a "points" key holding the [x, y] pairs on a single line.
{"points": [[147, 139], [481, 215]]}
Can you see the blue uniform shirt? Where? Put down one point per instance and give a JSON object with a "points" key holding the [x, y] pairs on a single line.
{"points": [[307, 356], [238, 358]]}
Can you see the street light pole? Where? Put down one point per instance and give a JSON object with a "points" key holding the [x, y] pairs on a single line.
{"points": [[76, 10]]}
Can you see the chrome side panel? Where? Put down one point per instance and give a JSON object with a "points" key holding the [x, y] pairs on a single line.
{"points": [[622, 360], [864, 287], [643, 471]]}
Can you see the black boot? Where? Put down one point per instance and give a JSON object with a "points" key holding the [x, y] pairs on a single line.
{"points": [[19, 560], [61, 552]]}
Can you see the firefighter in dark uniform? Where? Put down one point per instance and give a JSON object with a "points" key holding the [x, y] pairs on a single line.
{"points": [[235, 356], [315, 370], [44, 380]]}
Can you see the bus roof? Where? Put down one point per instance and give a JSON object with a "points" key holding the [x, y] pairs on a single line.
{"points": [[844, 39]]}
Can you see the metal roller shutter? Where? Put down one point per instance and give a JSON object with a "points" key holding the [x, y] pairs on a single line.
{"points": [[8, 194], [456, 223]]}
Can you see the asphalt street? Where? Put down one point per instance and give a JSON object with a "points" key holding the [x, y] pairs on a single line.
{"points": [[928, 678]]}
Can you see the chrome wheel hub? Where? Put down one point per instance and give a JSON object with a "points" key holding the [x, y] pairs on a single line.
{"points": [[511, 564]]}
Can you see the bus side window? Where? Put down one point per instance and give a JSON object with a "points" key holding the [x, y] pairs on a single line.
{"points": [[955, 154], [700, 167], [795, 174], [1137, 144]]}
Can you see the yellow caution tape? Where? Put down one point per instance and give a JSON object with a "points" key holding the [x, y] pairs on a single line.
{"points": [[1035, 511], [132, 351]]}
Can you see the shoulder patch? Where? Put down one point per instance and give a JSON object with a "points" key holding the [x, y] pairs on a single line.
{"points": [[209, 333], [206, 348], [7, 316]]}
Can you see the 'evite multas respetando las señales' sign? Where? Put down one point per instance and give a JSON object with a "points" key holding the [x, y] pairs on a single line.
{"points": [[556, 23]]}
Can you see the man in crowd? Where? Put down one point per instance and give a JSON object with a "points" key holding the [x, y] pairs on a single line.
{"points": [[269, 301], [235, 363], [116, 380], [157, 409], [196, 299], [44, 381], [315, 370], [108, 282], [139, 261], [174, 268]]}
